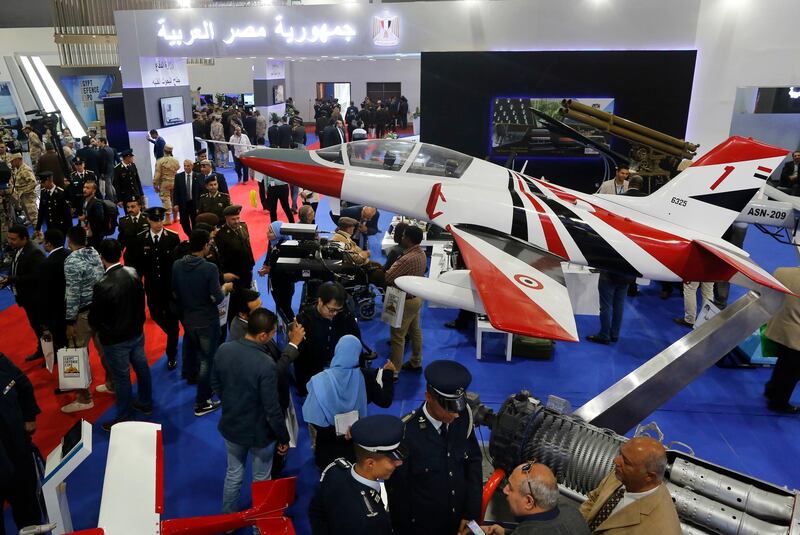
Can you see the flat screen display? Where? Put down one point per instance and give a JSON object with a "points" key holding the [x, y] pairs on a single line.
{"points": [[277, 94], [515, 129], [172, 111], [249, 99]]}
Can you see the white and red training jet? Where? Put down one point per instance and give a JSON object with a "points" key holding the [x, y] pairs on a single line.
{"points": [[513, 230]]}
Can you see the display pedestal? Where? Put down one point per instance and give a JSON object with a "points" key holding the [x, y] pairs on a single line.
{"points": [[62, 461], [482, 326]]}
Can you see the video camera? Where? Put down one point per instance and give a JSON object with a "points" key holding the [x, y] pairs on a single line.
{"points": [[305, 257]]}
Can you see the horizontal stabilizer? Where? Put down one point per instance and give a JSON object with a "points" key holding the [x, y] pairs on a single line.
{"points": [[744, 266]]}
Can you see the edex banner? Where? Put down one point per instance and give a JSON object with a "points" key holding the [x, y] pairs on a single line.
{"points": [[85, 92]]}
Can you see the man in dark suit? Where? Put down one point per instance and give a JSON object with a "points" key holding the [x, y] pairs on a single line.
{"points": [[24, 278], [92, 215], [108, 159], [635, 185], [50, 161], [273, 134], [52, 286], [126, 179], [333, 134], [233, 242], [249, 124], [130, 227], [188, 188], [285, 134], [53, 206], [153, 257], [89, 154], [789, 175]]}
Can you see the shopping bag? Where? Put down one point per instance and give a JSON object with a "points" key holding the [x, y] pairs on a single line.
{"points": [[707, 311], [394, 302], [223, 310], [74, 371], [292, 425], [49, 352]]}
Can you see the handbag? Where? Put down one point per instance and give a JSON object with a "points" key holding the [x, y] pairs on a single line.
{"points": [[394, 304], [74, 371]]}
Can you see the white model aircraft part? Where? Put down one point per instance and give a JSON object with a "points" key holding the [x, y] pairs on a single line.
{"points": [[453, 289], [768, 212], [128, 505], [518, 298]]}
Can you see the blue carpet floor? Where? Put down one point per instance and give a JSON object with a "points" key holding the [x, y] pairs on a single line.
{"points": [[721, 415]]}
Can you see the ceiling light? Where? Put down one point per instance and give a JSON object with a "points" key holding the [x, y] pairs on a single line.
{"points": [[38, 88]]}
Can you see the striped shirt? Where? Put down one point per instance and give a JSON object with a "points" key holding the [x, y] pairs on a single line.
{"points": [[413, 262]]}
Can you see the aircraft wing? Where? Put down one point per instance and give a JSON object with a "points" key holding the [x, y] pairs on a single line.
{"points": [[521, 293]]}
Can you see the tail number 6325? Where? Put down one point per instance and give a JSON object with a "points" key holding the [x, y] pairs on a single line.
{"points": [[679, 202]]}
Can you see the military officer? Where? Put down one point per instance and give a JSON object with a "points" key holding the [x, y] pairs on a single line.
{"points": [[153, 256], [126, 179], [207, 173], [233, 242], [130, 226], [75, 183], [23, 187], [35, 146], [202, 155], [351, 498], [214, 201], [438, 489], [53, 206], [164, 180]]}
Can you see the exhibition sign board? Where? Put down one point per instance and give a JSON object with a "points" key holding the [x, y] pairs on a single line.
{"points": [[86, 92], [163, 72]]}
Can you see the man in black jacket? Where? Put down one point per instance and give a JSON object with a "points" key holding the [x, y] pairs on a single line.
{"points": [[92, 214], [325, 322], [108, 159], [126, 179], [246, 380], [52, 287], [285, 134], [117, 314], [24, 278], [18, 479], [333, 134], [249, 124], [89, 154], [154, 253], [790, 174], [233, 242], [273, 134]]}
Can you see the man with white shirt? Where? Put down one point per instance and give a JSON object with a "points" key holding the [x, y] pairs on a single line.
{"points": [[438, 489], [633, 499], [241, 144], [617, 185]]}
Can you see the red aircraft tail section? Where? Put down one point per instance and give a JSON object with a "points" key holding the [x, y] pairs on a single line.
{"points": [[743, 266]]}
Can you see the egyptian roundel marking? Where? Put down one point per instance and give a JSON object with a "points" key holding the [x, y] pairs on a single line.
{"points": [[528, 282]]}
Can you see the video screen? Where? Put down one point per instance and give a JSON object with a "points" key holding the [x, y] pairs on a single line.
{"points": [[249, 99], [515, 129], [172, 111]]}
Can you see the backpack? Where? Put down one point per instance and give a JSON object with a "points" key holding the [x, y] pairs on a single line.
{"points": [[110, 215]]}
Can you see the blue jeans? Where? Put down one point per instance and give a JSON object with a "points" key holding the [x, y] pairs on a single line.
{"points": [[201, 345], [120, 358], [612, 289], [237, 460]]}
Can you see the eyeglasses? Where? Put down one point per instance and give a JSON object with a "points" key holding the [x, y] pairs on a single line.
{"points": [[332, 310], [526, 468]]}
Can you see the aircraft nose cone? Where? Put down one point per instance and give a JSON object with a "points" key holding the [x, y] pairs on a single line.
{"points": [[296, 167]]}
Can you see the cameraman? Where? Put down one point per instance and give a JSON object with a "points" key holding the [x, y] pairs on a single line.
{"points": [[281, 286], [325, 322]]}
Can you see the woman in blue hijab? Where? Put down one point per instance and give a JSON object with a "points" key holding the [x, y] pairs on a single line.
{"points": [[282, 288], [343, 388]]}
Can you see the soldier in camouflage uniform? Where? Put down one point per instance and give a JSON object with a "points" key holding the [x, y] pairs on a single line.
{"points": [[6, 204], [35, 146], [23, 187], [164, 180]]}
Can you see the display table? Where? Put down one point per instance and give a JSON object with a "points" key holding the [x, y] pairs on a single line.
{"points": [[482, 326], [388, 239]]}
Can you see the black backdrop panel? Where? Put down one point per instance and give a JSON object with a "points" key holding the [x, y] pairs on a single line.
{"points": [[652, 88]]}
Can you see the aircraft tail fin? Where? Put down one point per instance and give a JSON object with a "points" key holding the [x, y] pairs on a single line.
{"points": [[710, 194]]}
